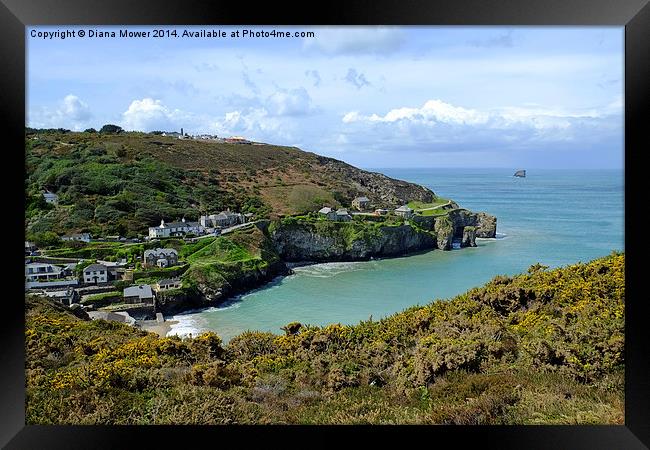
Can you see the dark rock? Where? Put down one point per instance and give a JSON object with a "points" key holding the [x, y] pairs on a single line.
{"points": [[79, 312], [332, 242], [469, 237]]}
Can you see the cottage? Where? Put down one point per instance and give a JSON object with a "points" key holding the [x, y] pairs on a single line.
{"points": [[166, 284], [42, 272], [67, 296], [138, 294], [404, 211], [361, 203], [175, 229], [82, 237], [328, 212], [223, 219], [95, 274], [342, 215], [161, 257], [51, 197]]}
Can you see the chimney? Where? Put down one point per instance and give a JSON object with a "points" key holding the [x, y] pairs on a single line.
{"points": [[182, 132]]}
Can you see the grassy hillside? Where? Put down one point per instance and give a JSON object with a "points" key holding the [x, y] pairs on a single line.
{"points": [[230, 261], [123, 183], [544, 347]]}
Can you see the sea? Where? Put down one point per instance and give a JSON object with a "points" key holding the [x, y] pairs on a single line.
{"points": [[552, 217]]}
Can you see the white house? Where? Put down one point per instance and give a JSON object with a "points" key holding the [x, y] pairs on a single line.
{"points": [[176, 229], [95, 273], [404, 211], [82, 237], [167, 283], [42, 272]]}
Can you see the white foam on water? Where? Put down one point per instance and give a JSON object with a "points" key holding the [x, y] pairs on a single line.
{"points": [[186, 324], [331, 269]]}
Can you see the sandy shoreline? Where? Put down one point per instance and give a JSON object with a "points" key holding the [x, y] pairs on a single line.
{"points": [[153, 326]]}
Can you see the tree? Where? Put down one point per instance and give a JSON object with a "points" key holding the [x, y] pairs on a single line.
{"points": [[90, 130], [109, 128], [45, 239]]}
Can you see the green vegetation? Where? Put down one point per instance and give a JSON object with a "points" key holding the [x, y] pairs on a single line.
{"points": [[425, 209], [113, 182], [108, 185], [227, 260], [102, 299], [546, 347]]}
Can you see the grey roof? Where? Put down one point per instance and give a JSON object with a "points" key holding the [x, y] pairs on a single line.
{"points": [[95, 267], [142, 291], [362, 199], [63, 293], [177, 225], [342, 212], [160, 251], [404, 208], [325, 210], [168, 281]]}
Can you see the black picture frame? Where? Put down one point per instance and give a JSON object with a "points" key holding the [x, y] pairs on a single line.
{"points": [[634, 15]]}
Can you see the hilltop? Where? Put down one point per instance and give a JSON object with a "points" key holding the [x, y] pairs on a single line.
{"points": [[544, 347], [121, 183]]}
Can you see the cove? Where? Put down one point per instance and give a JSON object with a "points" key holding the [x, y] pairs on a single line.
{"points": [[554, 217]]}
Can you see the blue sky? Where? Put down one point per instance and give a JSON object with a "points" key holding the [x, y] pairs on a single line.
{"points": [[546, 97]]}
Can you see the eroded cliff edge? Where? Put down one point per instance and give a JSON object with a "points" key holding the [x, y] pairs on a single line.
{"points": [[361, 240]]}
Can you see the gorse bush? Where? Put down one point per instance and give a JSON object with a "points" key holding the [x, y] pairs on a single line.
{"points": [[543, 347]]}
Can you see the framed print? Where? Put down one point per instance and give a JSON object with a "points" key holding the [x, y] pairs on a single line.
{"points": [[405, 215]]}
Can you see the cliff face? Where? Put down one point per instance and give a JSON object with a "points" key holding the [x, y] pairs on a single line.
{"points": [[227, 266], [208, 289], [459, 224], [332, 241]]}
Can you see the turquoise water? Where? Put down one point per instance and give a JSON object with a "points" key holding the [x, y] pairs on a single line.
{"points": [[554, 217]]}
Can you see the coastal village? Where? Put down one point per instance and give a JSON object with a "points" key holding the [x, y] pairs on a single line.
{"points": [[111, 290]]}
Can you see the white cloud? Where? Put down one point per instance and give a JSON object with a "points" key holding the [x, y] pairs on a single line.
{"points": [[293, 102], [353, 40], [74, 109], [433, 111], [253, 123], [149, 115], [72, 113], [438, 122]]}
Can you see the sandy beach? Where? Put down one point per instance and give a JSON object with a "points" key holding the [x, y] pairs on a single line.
{"points": [[153, 326]]}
